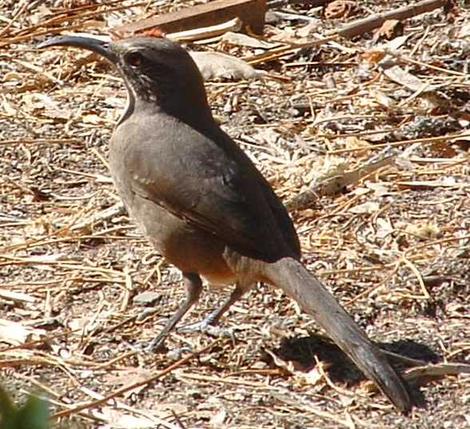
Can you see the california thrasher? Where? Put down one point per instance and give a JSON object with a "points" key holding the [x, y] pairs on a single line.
{"points": [[202, 202]]}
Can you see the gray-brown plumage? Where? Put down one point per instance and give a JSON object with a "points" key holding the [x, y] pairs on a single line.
{"points": [[202, 202]]}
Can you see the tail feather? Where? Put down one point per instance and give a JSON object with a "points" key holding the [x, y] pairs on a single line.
{"points": [[291, 276]]}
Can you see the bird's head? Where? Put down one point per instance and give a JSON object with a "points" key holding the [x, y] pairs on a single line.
{"points": [[159, 74]]}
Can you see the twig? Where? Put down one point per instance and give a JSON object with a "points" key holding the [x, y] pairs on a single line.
{"points": [[14, 18], [405, 359], [95, 218], [62, 19], [418, 275], [276, 53], [375, 21], [206, 32], [305, 406], [436, 371], [39, 141], [132, 386], [423, 374], [402, 142]]}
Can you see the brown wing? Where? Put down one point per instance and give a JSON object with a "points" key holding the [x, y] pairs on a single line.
{"points": [[213, 188]]}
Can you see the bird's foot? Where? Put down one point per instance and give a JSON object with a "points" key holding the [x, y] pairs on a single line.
{"points": [[207, 327], [202, 326], [178, 353], [157, 345], [146, 313]]}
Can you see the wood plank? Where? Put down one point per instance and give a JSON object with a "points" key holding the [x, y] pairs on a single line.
{"points": [[250, 12]]}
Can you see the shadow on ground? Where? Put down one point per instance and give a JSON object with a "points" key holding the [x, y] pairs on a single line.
{"points": [[304, 351]]}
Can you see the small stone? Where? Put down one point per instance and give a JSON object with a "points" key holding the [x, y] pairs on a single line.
{"points": [[146, 299]]}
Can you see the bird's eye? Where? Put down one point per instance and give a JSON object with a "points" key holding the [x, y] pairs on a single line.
{"points": [[134, 59]]}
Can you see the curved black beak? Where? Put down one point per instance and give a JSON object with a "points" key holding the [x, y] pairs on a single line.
{"points": [[101, 47]]}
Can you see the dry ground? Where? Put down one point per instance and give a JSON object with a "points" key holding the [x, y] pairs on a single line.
{"points": [[393, 247]]}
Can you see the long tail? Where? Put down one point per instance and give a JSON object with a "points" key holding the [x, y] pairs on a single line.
{"points": [[291, 276]]}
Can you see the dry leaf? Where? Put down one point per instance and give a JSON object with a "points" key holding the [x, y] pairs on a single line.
{"points": [[353, 142], [423, 231], [373, 57], [383, 100], [48, 107], [302, 378], [464, 31], [307, 30], [390, 29], [399, 75], [40, 15], [12, 76], [118, 419], [92, 118], [383, 228], [309, 378], [128, 376], [10, 295], [154, 32], [217, 420], [365, 208], [380, 188], [43, 225], [240, 39], [396, 43], [339, 9], [14, 333], [214, 65]]}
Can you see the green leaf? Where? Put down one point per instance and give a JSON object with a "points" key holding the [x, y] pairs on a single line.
{"points": [[33, 415], [7, 408]]}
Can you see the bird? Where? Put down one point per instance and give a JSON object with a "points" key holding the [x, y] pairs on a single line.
{"points": [[202, 202]]}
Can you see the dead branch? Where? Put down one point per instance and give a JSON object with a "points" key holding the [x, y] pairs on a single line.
{"points": [[365, 25]]}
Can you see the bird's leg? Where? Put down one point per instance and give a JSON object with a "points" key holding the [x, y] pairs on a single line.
{"points": [[193, 285], [214, 317], [236, 294]]}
